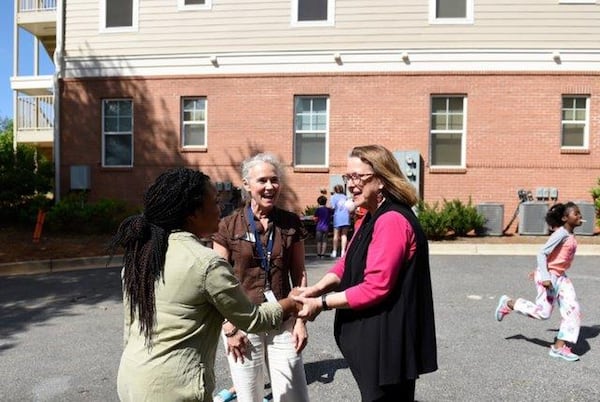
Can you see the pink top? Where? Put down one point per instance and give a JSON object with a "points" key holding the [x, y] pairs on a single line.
{"points": [[557, 254], [393, 242]]}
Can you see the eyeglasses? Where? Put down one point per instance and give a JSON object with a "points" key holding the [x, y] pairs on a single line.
{"points": [[356, 177]]}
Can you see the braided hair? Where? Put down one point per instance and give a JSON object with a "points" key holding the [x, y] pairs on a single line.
{"points": [[556, 212], [174, 195]]}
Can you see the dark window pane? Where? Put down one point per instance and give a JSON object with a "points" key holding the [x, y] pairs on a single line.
{"points": [[312, 10], [573, 135], [117, 150], [451, 8], [119, 13], [310, 149], [446, 150], [194, 2]]}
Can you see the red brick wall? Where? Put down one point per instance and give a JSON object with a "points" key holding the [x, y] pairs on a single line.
{"points": [[513, 130]]}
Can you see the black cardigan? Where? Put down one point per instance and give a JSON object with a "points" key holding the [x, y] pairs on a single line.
{"points": [[394, 340]]}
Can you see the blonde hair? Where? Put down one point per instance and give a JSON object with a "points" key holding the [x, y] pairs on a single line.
{"points": [[385, 166]]}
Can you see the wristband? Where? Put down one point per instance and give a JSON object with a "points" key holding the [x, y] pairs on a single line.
{"points": [[232, 333], [324, 305]]}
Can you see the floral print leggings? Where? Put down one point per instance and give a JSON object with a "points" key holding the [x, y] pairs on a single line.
{"points": [[563, 294]]}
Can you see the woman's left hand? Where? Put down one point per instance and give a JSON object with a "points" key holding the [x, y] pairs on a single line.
{"points": [[311, 307], [300, 335]]}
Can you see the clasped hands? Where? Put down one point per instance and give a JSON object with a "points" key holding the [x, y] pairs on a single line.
{"points": [[308, 304]]}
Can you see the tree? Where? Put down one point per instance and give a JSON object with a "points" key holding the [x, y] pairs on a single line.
{"points": [[25, 176]]}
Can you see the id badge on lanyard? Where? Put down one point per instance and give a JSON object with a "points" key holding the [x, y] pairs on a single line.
{"points": [[264, 255]]}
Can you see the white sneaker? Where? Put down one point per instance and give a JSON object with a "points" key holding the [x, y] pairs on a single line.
{"points": [[333, 254]]}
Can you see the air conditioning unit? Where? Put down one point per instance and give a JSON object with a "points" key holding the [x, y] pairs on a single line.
{"points": [[532, 218], [588, 212], [494, 218]]}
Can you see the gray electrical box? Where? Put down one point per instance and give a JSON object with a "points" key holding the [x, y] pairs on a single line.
{"points": [[410, 164], [494, 218], [588, 213], [80, 177], [532, 218]]}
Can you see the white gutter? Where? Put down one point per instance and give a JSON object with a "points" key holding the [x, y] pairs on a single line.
{"points": [[15, 71], [58, 69]]}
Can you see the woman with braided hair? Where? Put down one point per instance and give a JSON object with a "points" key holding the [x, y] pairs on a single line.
{"points": [[177, 293]]}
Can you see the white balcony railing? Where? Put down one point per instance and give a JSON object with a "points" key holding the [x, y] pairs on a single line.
{"points": [[35, 112], [36, 5]]}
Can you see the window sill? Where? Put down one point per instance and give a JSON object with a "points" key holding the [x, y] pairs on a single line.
{"points": [[447, 170], [194, 149], [574, 151], [308, 169], [113, 169]]}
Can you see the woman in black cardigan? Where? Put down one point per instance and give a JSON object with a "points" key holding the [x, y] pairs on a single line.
{"points": [[384, 323]]}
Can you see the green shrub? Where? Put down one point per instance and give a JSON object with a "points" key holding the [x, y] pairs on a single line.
{"points": [[463, 218], [434, 221], [310, 210], [596, 196], [76, 215]]}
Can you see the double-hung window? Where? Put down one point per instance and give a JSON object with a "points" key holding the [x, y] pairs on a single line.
{"points": [[193, 122], [117, 133], [313, 12], [448, 131], [451, 11], [575, 122], [311, 131], [119, 15]]}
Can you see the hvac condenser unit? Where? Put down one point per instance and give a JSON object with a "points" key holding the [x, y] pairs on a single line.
{"points": [[588, 213], [494, 218], [532, 218]]}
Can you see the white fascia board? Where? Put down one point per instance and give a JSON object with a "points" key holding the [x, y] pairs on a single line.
{"points": [[324, 62]]}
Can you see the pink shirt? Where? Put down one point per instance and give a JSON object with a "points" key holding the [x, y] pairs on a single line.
{"points": [[393, 242]]}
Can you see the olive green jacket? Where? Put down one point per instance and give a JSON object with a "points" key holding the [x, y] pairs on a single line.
{"points": [[195, 293]]}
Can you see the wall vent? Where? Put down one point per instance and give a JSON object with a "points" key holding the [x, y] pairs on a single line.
{"points": [[80, 177], [494, 216], [532, 218]]}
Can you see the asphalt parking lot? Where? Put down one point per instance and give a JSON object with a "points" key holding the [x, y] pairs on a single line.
{"points": [[61, 337]]}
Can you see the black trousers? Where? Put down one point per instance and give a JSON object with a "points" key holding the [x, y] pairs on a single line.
{"points": [[402, 392]]}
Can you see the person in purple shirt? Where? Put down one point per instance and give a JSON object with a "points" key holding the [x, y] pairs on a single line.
{"points": [[322, 217]]}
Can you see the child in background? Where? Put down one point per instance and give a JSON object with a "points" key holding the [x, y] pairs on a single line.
{"points": [[552, 283], [322, 217]]}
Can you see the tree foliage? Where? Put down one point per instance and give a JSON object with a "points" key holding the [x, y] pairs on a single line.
{"points": [[26, 177]]}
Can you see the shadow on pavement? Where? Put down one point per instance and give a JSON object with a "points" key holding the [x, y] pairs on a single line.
{"points": [[323, 371], [582, 346], [34, 299]]}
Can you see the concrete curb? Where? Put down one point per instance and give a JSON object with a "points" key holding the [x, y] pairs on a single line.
{"points": [[435, 248], [59, 265]]}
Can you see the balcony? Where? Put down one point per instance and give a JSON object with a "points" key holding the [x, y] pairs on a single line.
{"points": [[35, 120], [39, 18]]}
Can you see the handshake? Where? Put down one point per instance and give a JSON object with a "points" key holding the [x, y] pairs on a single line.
{"points": [[301, 302]]}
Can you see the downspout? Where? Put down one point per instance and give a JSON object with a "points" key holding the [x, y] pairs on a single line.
{"points": [[58, 71], [15, 73]]}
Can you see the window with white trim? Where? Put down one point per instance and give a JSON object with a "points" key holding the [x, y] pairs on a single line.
{"points": [[448, 131], [117, 132], [313, 12], [450, 11], [119, 15], [184, 5], [311, 130], [575, 122], [193, 122]]}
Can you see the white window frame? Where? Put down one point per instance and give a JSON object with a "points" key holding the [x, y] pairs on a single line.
{"points": [[106, 133], [135, 9], [325, 132], [330, 16], [462, 132], [585, 122], [469, 18], [185, 123], [181, 6]]}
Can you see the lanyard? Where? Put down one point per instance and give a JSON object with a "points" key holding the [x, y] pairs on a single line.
{"points": [[265, 258]]}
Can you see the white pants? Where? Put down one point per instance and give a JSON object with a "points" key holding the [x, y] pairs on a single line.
{"points": [[563, 294], [270, 354]]}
